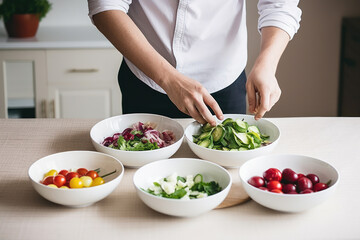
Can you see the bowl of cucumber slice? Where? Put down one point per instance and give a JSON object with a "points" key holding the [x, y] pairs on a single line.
{"points": [[232, 141]]}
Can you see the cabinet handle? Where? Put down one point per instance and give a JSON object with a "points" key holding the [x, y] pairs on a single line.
{"points": [[83, 70], [43, 109]]}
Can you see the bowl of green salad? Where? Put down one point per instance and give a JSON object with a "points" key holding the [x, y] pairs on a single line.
{"points": [[232, 141], [137, 139], [182, 187]]}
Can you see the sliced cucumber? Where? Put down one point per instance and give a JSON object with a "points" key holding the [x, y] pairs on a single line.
{"points": [[206, 127], [242, 137], [205, 135], [218, 133], [198, 178], [228, 122], [240, 126], [254, 128], [223, 142], [205, 143]]}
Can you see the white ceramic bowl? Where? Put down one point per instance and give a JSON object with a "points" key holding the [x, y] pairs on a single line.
{"points": [[299, 164], [233, 159], [146, 175], [73, 160], [109, 126]]}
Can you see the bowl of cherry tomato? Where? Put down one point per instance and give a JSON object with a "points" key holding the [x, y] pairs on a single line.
{"points": [[76, 178], [289, 183]]}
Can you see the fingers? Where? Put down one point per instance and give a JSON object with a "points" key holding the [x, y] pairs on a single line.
{"points": [[252, 100], [211, 102]]}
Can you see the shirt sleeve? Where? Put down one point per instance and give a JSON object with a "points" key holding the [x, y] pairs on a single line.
{"points": [[97, 6], [284, 14]]}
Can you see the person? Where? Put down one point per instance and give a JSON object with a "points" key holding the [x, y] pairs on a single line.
{"points": [[187, 58]]}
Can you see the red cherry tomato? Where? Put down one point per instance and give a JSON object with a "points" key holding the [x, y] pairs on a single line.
{"points": [[319, 187], [276, 191], [313, 178], [274, 185], [71, 175], [264, 188], [59, 180], [287, 188], [256, 181], [63, 172], [48, 180], [304, 183], [306, 191], [272, 174], [82, 171], [92, 174], [289, 176]]}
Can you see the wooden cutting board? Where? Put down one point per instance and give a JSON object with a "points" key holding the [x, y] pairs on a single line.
{"points": [[237, 194]]}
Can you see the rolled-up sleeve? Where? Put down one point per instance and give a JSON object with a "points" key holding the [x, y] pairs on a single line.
{"points": [[97, 6], [284, 14]]}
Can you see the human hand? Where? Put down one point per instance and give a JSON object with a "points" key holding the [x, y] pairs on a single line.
{"points": [[263, 90], [192, 98]]}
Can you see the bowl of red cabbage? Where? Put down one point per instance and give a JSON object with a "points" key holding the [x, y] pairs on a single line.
{"points": [[137, 139]]}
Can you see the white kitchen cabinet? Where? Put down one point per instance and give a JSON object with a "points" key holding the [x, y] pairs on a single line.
{"points": [[69, 83]]}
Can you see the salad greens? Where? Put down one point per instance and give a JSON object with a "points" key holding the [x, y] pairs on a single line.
{"points": [[178, 187], [231, 135], [140, 137]]}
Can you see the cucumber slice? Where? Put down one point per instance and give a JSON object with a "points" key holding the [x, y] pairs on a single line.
{"points": [[240, 126], [206, 127], [223, 142], [198, 178], [254, 129], [233, 144], [255, 136], [205, 135], [205, 143], [225, 149], [218, 133], [228, 122], [242, 137], [228, 133]]}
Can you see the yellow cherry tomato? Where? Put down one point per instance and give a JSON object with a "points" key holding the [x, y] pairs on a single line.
{"points": [[98, 181], [64, 187], [52, 185], [52, 172], [87, 181], [76, 183]]}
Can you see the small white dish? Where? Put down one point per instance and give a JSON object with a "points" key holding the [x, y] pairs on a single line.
{"points": [[234, 159], [153, 172], [81, 197], [299, 164]]}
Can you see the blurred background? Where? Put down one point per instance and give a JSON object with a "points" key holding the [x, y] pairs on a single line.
{"points": [[319, 73]]}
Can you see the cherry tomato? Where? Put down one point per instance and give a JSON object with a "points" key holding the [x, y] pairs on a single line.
{"points": [[264, 188], [300, 175], [97, 181], [71, 175], [52, 185], [272, 174], [87, 181], [313, 178], [256, 181], [64, 187], [319, 187], [276, 191], [274, 185], [306, 191], [63, 172], [289, 176], [82, 171], [59, 180], [48, 180], [92, 174], [304, 183], [52, 172], [76, 183], [287, 188]]}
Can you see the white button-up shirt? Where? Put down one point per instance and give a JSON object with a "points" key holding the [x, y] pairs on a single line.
{"points": [[203, 39]]}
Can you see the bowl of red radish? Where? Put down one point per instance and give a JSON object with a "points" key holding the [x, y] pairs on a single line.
{"points": [[289, 183], [137, 139]]}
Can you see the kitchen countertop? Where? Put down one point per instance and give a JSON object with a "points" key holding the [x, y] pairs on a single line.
{"points": [[24, 214], [57, 38]]}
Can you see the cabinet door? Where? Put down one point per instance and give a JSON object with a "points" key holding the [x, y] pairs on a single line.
{"points": [[83, 83], [82, 103], [23, 82]]}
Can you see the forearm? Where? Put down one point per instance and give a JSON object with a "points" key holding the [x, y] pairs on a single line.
{"points": [[122, 32], [273, 43]]}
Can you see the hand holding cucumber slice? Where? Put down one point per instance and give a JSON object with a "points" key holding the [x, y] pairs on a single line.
{"points": [[231, 135]]}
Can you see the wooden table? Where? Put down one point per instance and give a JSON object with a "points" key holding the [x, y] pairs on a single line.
{"points": [[24, 214]]}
